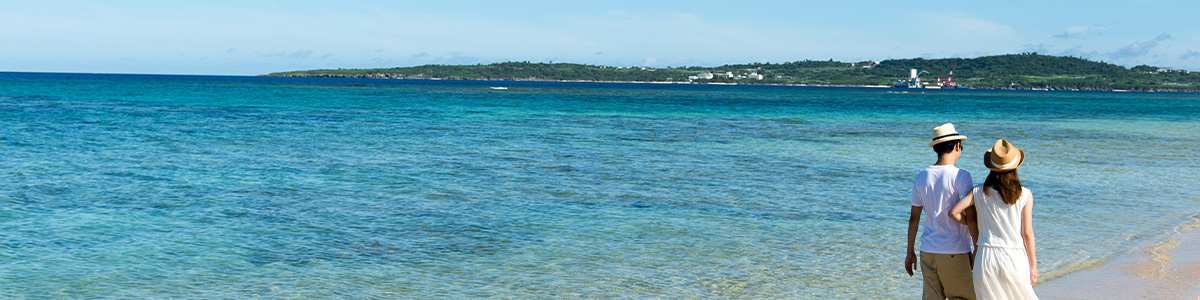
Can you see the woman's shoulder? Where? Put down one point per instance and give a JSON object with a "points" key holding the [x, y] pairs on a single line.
{"points": [[979, 193], [979, 188]]}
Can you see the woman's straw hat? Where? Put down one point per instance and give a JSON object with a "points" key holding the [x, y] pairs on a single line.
{"points": [[1003, 157], [944, 133]]}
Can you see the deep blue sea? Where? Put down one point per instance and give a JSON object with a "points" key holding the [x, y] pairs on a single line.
{"points": [[142, 186]]}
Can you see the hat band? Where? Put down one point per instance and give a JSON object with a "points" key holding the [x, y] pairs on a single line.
{"points": [[1016, 159], [945, 136]]}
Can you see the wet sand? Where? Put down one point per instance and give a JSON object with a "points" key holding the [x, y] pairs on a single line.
{"points": [[1168, 268]]}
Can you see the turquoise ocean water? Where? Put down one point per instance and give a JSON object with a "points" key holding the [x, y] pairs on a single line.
{"points": [[131, 186]]}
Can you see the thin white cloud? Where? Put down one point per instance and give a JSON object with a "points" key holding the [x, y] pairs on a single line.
{"points": [[960, 26], [1189, 55], [676, 38], [298, 54], [1078, 52], [949, 34], [970, 54], [1079, 32], [454, 58], [1042, 48], [1139, 49]]}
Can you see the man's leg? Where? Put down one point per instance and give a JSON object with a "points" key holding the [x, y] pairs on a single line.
{"points": [[933, 282], [955, 273]]}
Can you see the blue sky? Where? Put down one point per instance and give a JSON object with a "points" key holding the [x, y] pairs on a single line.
{"points": [[258, 37]]}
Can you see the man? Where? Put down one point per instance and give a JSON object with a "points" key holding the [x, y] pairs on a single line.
{"points": [[945, 244]]}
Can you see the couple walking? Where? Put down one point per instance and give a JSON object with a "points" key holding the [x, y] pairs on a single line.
{"points": [[996, 216]]}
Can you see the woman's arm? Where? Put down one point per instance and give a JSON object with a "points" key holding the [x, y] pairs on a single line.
{"points": [[973, 227], [1027, 235], [956, 213]]}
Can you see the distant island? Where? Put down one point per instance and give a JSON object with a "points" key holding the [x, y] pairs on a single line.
{"points": [[1012, 71]]}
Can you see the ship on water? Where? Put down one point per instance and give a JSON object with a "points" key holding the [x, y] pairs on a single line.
{"points": [[949, 83], [914, 81]]}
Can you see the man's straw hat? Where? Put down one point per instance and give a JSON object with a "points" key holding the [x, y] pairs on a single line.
{"points": [[944, 133], [1003, 157]]}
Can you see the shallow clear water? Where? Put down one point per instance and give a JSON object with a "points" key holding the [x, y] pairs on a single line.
{"points": [[129, 186]]}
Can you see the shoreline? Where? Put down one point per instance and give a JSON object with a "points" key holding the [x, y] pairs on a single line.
{"points": [[421, 77], [1166, 267]]}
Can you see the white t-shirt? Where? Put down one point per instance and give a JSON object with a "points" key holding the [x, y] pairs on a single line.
{"points": [[936, 190]]}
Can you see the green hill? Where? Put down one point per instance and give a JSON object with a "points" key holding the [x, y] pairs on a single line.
{"points": [[1016, 71]]}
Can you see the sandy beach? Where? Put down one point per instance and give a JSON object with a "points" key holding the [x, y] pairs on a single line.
{"points": [[1166, 268]]}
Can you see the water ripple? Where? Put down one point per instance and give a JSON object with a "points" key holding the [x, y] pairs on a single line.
{"points": [[246, 187]]}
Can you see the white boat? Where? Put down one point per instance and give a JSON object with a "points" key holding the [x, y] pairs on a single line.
{"points": [[499, 88]]}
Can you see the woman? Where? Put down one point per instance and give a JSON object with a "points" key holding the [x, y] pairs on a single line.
{"points": [[1005, 260]]}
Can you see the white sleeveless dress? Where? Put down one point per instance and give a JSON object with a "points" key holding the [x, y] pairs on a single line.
{"points": [[1001, 264]]}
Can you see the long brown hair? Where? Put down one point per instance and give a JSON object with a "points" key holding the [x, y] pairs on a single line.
{"points": [[1005, 183]]}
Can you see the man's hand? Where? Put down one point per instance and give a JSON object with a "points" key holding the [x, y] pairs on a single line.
{"points": [[910, 263]]}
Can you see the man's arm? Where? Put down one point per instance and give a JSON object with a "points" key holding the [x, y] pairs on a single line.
{"points": [[972, 217], [914, 219]]}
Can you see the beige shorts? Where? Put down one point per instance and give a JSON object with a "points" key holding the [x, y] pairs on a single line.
{"points": [[947, 276]]}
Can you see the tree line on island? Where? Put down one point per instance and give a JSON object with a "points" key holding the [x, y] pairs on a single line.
{"points": [[1012, 71]]}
